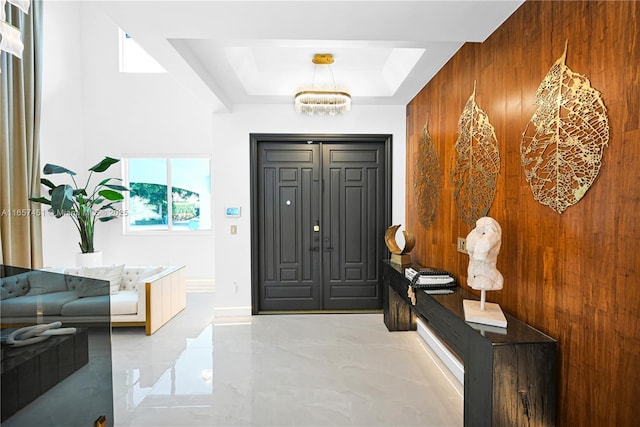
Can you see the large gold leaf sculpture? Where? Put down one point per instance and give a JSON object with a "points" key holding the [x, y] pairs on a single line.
{"points": [[427, 179], [475, 170], [562, 152]]}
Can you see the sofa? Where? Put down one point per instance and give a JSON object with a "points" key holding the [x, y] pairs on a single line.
{"points": [[146, 296]]}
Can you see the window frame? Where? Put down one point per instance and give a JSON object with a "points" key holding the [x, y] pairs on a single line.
{"points": [[170, 230]]}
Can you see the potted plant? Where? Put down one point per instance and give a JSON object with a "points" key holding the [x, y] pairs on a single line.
{"points": [[82, 204]]}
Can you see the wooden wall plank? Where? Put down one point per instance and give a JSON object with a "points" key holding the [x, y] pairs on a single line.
{"points": [[571, 275]]}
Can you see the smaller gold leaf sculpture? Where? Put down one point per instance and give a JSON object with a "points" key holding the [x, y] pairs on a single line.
{"points": [[427, 179], [398, 255], [562, 152], [392, 245], [475, 170]]}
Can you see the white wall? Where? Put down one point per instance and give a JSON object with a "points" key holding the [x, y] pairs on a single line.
{"points": [[91, 110], [61, 131]]}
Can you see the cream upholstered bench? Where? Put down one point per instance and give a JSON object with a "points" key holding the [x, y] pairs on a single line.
{"points": [[127, 296], [146, 296]]}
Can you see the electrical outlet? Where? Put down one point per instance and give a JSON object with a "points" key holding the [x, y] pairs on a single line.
{"points": [[462, 245]]}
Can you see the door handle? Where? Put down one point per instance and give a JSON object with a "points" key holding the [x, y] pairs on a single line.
{"points": [[329, 249], [314, 248]]}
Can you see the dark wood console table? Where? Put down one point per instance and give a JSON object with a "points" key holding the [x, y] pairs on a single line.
{"points": [[510, 374]]}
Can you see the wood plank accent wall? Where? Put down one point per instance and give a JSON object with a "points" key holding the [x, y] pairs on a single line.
{"points": [[574, 276]]}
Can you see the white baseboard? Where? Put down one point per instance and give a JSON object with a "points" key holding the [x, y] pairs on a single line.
{"points": [[240, 311], [449, 359], [200, 285]]}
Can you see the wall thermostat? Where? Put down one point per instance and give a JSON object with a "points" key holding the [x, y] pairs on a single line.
{"points": [[232, 212]]}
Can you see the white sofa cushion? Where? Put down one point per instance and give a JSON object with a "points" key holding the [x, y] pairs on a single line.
{"points": [[111, 274], [124, 302], [43, 283], [134, 275], [14, 286]]}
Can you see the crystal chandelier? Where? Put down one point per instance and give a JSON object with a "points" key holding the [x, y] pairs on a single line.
{"points": [[10, 35], [321, 102]]}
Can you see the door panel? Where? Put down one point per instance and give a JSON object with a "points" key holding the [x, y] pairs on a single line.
{"points": [[288, 207], [354, 224]]}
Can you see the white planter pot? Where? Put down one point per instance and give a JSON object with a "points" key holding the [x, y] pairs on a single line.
{"points": [[93, 259]]}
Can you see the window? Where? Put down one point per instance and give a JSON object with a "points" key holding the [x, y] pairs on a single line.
{"points": [[133, 58], [168, 194]]}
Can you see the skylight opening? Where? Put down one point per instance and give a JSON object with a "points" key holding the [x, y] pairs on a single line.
{"points": [[133, 58]]}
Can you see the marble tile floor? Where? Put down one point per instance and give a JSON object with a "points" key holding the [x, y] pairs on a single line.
{"points": [[279, 370], [267, 370]]}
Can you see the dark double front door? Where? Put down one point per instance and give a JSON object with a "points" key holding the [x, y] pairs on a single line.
{"points": [[321, 223]]}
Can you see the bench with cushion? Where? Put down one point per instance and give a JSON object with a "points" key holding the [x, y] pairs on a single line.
{"points": [[146, 296]]}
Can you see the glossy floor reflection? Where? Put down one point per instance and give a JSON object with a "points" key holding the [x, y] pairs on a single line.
{"points": [[279, 370]]}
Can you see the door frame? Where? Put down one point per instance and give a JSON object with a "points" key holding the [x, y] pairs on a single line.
{"points": [[256, 138]]}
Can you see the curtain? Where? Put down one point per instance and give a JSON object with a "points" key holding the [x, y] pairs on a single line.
{"points": [[20, 99]]}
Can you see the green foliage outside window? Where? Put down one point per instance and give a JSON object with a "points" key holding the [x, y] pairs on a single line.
{"points": [[151, 206]]}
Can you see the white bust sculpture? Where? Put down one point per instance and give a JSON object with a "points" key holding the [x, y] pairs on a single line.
{"points": [[483, 245]]}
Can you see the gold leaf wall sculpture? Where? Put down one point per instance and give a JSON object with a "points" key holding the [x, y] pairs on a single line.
{"points": [[562, 152], [475, 170], [427, 179]]}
